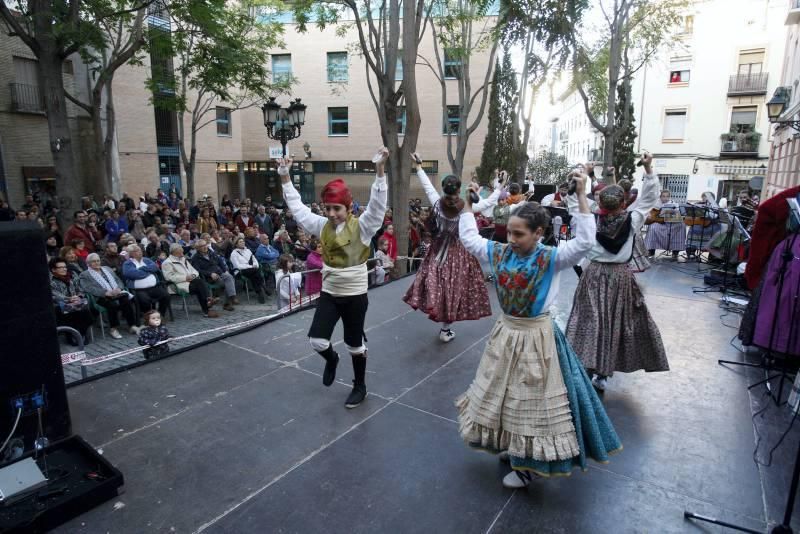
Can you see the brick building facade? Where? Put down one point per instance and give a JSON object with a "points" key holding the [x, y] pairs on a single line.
{"points": [[232, 156]]}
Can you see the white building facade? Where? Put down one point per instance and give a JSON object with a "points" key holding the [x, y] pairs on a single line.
{"points": [[701, 106], [784, 163]]}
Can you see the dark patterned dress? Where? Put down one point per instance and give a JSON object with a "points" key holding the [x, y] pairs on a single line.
{"points": [[449, 286], [150, 336]]}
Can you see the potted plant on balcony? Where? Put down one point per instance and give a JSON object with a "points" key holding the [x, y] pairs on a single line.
{"points": [[734, 141]]}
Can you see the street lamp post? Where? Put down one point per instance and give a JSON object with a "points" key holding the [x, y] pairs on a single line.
{"points": [[284, 124]]}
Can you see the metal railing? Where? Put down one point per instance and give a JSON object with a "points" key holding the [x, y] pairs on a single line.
{"points": [[26, 98], [739, 146], [748, 84], [305, 299]]}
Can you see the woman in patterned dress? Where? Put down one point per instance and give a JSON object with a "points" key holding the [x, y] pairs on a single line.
{"points": [[531, 401], [610, 327], [449, 286]]}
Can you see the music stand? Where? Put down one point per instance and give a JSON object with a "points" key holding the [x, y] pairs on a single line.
{"points": [[695, 211], [734, 224]]}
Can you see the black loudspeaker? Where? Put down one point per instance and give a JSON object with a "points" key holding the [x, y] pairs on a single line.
{"points": [[30, 361], [32, 392]]}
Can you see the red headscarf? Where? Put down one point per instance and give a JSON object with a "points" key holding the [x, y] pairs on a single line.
{"points": [[337, 192]]}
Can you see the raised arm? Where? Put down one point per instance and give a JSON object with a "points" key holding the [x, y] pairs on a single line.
{"points": [[472, 240], [572, 251], [468, 232], [372, 219], [487, 202], [430, 191], [648, 198], [311, 222]]}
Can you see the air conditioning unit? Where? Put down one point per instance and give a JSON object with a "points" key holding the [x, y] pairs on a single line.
{"points": [[729, 146]]}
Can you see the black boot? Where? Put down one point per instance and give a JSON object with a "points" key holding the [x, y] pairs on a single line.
{"points": [[331, 361], [359, 392]]}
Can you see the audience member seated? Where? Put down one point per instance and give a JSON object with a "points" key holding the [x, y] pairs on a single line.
{"points": [[244, 220], [51, 247], [179, 271], [289, 282], [109, 292], [213, 268], [80, 249], [115, 226], [112, 258], [81, 229], [156, 250], [207, 223], [75, 265], [385, 262], [290, 223], [263, 221], [246, 263], [140, 275], [71, 306], [313, 282], [224, 246], [251, 240]]}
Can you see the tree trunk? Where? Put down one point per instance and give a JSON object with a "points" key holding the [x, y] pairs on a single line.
{"points": [[102, 184], [110, 156], [69, 187], [399, 164], [190, 168]]}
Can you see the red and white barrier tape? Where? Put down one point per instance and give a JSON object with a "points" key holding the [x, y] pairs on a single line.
{"points": [[232, 326]]}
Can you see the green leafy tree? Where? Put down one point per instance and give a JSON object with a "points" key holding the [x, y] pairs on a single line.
{"points": [[55, 30], [381, 26], [221, 51], [461, 30], [634, 32], [543, 31], [124, 36], [548, 168], [489, 154], [499, 148], [624, 156]]}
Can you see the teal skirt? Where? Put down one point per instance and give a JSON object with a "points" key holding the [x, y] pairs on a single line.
{"points": [[597, 438]]}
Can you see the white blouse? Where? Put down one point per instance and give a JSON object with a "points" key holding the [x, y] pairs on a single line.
{"points": [[569, 252]]}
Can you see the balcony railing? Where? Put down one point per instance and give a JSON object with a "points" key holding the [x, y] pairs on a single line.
{"points": [[26, 98], [748, 84], [739, 145]]}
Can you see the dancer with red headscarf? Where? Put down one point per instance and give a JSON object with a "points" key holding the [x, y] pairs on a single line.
{"points": [[345, 248]]}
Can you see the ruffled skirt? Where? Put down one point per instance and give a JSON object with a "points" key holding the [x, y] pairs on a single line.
{"points": [[531, 397], [449, 289], [610, 327]]}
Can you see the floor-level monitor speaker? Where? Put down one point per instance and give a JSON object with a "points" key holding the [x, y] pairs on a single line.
{"points": [[35, 426]]}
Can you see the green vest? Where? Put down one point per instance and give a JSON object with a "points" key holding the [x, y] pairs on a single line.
{"points": [[344, 249]]}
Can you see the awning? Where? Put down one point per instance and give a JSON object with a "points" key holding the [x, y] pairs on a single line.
{"points": [[746, 170]]}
